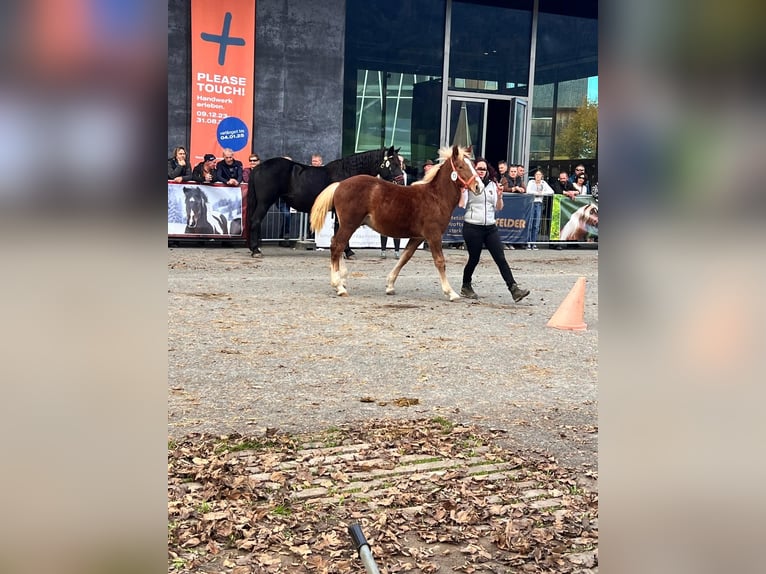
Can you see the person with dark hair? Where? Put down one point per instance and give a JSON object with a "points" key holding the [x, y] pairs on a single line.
{"points": [[479, 231], [563, 186], [580, 170], [254, 162], [178, 166], [580, 184]]}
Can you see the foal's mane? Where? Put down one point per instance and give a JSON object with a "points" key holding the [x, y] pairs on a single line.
{"points": [[444, 154]]}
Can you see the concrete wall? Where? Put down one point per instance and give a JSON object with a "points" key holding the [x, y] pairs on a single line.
{"points": [[179, 73], [298, 77]]}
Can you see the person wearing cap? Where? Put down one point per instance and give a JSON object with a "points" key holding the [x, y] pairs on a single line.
{"points": [[427, 166], [204, 171], [228, 171]]}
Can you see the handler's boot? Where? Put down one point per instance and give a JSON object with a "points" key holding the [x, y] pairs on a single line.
{"points": [[517, 292], [468, 292]]}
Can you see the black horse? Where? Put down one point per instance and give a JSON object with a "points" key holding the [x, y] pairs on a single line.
{"points": [[300, 184], [198, 219]]}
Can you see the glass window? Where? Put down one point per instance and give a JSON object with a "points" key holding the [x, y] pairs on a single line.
{"points": [[394, 48], [490, 47], [565, 98]]}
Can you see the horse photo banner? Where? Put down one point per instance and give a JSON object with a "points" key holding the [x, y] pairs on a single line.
{"points": [[511, 221], [223, 77], [205, 210], [574, 219]]}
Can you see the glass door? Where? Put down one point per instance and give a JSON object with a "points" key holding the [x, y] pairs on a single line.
{"points": [[518, 131], [467, 123]]}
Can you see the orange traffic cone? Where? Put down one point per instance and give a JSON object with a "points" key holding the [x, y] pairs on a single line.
{"points": [[569, 315]]}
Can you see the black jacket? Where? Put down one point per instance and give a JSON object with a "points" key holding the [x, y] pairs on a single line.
{"points": [[175, 170], [224, 172], [199, 176], [559, 187]]}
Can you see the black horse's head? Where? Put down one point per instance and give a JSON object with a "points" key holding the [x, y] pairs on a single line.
{"points": [[196, 207], [390, 167]]}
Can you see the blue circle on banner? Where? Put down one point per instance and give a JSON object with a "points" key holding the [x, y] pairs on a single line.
{"points": [[233, 133]]}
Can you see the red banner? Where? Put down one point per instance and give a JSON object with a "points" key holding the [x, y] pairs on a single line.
{"points": [[223, 77]]}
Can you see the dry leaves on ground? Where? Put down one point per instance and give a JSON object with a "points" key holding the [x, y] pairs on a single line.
{"points": [[430, 496]]}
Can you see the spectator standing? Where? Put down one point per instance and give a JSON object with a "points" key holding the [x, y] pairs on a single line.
{"points": [[502, 177], [204, 171], [563, 186], [178, 166], [539, 188], [316, 160], [479, 230], [254, 162], [427, 166], [515, 183], [229, 171], [581, 184], [580, 169], [520, 173]]}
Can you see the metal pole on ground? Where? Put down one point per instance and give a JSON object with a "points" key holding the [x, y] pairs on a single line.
{"points": [[363, 549]]}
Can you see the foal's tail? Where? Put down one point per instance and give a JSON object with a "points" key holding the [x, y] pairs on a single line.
{"points": [[322, 204]]}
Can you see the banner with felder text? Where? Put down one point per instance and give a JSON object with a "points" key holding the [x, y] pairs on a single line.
{"points": [[223, 77], [511, 221]]}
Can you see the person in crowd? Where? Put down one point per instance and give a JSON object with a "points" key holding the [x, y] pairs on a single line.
{"points": [[254, 162], [520, 173], [228, 171], [563, 186], [580, 169], [384, 238], [316, 160], [204, 171], [538, 187], [502, 175], [427, 166], [580, 184], [178, 166], [479, 230], [515, 182]]}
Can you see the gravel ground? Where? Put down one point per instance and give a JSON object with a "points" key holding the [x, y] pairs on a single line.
{"points": [[264, 343]]}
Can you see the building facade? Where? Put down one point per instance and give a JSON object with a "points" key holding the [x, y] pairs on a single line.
{"points": [[344, 76]]}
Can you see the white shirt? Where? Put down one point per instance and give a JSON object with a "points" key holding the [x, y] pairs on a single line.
{"points": [[539, 189]]}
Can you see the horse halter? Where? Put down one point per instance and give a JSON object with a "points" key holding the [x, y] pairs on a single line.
{"points": [[385, 165], [464, 182]]}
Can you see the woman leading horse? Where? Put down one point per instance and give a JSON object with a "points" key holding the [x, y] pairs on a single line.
{"points": [[420, 211]]}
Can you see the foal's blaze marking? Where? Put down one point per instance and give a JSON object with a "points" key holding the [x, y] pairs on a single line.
{"points": [[420, 212]]}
